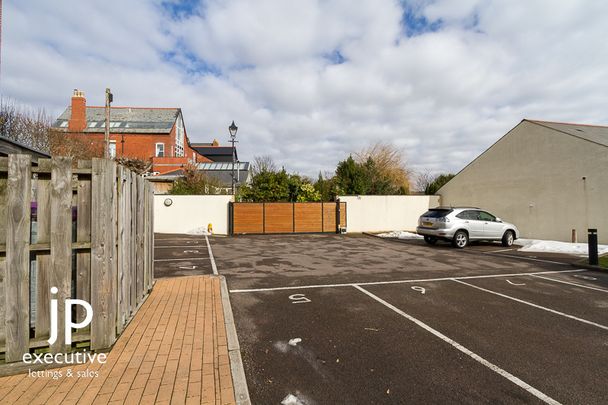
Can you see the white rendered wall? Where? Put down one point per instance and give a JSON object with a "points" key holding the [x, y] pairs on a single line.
{"points": [[188, 213], [381, 213]]}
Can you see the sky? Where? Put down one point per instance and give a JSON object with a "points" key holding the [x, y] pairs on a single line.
{"points": [[309, 82]]}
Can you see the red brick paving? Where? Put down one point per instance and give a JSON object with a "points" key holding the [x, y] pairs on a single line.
{"points": [[174, 351]]}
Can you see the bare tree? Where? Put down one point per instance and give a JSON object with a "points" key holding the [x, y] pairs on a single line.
{"points": [[263, 164], [27, 126], [74, 145], [389, 161], [139, 166], [423, 180]]}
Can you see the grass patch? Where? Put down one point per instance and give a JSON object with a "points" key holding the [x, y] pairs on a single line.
{"points": [[604, 261]]}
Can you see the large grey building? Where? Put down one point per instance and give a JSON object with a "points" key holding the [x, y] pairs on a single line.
{"points": [[546, 177]]}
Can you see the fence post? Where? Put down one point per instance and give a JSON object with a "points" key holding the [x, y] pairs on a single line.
{"points": [[133, 243], [103, 254], [123, 251], [139, 209], [61, 241], [43, 259], [3, 215], [151, 230], [19, 197], [146, 236]]}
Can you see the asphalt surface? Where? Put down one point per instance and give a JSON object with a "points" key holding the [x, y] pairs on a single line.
{"points": [[180, 255], [500, 333]]}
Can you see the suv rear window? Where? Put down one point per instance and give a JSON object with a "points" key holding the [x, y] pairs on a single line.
{"points": [[437, 213]]}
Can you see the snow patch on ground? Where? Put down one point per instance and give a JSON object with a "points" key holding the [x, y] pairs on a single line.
{"points": [[281, 346], [551, 246], [294, 342], [198, 231], [293, 400], [400, 235]]}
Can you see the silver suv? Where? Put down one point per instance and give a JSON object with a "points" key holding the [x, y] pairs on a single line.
{"points": [[464, 224]]}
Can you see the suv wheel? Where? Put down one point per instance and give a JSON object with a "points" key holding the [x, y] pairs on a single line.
{"points": [[508, 238], [431, 240], [460, 240]]}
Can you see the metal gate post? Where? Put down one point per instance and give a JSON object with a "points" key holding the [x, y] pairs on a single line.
{"points": [[231, 218], [337, 215]]}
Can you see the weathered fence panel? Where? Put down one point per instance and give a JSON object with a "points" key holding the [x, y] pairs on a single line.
{"points": [[133, 244], [104, 270], [3, 216], [17, 287], [61, 241], [140, 237], [43, 259], [108, 262], [83, 235]]}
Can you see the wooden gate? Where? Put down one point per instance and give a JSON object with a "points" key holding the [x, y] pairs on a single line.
{"points": [[283, 217]]}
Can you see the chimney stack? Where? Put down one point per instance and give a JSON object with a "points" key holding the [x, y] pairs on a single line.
{"points": [[78, 119]]}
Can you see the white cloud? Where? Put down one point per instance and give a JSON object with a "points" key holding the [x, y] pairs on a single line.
{"points": [[443, 96]]}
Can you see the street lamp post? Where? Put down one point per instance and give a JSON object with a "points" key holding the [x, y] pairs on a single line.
{"points": [[232, 129]]}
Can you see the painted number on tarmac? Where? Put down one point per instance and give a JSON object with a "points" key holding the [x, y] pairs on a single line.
{"points": [[512, 283], [299, 299], [187, 267], [421, 290], [191, 251]]}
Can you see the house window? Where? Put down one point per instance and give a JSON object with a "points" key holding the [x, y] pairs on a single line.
{"points": [[160, 150], [112, 149]]}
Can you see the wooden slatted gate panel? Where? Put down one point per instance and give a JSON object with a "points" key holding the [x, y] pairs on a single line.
{"points": [[281, 218]]}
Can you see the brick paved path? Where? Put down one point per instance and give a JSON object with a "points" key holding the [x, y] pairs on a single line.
{"points": [[173, 352]]}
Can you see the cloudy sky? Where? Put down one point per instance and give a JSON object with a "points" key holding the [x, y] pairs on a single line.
{"points": [[310, 81]]}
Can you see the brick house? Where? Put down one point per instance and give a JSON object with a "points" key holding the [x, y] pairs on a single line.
{"points": [[153, 134]]}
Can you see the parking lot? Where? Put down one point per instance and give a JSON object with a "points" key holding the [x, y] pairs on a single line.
{"points": [[180, 255], [357, 319]]}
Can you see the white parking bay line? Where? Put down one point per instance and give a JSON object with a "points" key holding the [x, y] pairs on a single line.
{"points": [[571, 283], [213, 266], [180, 259], [553, 311], [498, 251], [520, 383], [305, 287], [177, 247], [528, 258]]}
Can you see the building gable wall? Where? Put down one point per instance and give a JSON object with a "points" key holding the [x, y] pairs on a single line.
{"points": [[533, 177]]}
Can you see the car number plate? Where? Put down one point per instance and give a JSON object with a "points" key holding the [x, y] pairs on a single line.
{"points": [[427, 223]]}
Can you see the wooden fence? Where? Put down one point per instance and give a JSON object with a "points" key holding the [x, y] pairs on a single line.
{"points": [[279, 217], [84, 227]]}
